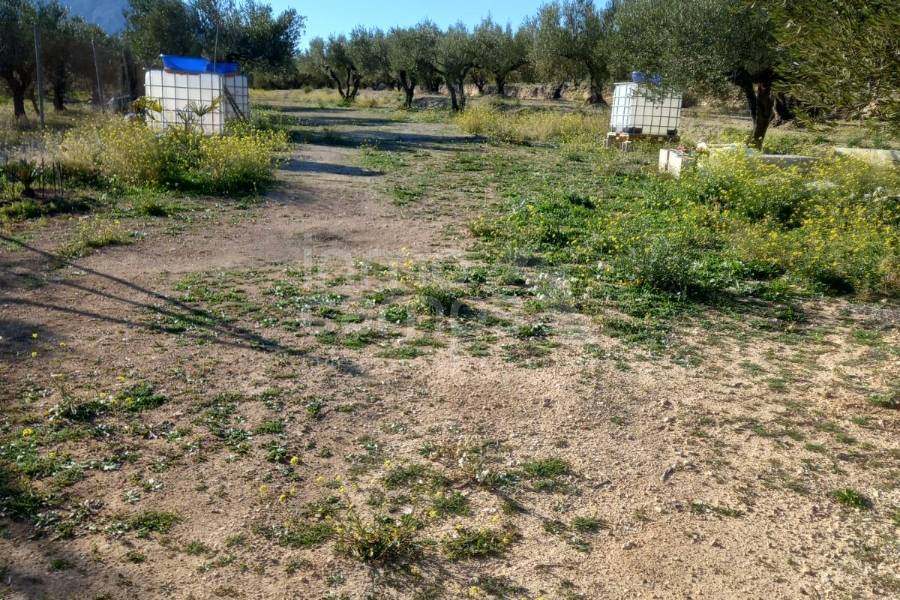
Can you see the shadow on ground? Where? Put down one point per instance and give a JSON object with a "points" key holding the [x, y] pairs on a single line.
{"points": [[171, 315], [306, 166]]}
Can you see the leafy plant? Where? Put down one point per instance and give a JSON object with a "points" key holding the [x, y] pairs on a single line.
{"points": [[465, 543], [381, 540]]}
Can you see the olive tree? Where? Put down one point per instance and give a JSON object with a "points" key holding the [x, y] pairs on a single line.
{"points": [[551, 63], [839, 55], [153, 27], [455, 56], [17, 66], [333, 58], [411, 54], [369, 50], [708, 46], [500, 51], [571, 41]]}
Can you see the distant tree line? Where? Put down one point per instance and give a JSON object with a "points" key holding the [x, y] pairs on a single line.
{"points": [[68, 46], [250, 33], [79, 57], [818, 58]]}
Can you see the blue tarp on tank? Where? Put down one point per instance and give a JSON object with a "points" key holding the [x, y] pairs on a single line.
{"points": [[194, 64], [638, 77]]}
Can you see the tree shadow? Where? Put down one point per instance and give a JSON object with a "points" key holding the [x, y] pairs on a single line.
{"points": [[188, 320], [17, 336], [306, 166], [391, 141], [30, 514]]}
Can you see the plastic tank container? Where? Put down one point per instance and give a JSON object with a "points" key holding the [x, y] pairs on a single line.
{"points": [[187, 84], [639, 109]]}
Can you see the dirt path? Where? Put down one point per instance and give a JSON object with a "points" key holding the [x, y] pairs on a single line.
{"points": [[324, 208], [690, 483]]}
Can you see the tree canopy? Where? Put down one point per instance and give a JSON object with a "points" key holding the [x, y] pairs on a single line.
{"points": [[705, 46], [250, 32], [840, 55], [500, 50]]}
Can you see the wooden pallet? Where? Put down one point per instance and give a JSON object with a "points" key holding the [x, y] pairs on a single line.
{"points": [[623, 141]]}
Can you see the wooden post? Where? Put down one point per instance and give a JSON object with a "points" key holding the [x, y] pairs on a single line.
{"points": [[40, 68], [97, 73], [127, 74]]}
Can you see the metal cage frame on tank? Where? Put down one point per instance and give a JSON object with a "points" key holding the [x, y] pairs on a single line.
{"points": [[641, 110], [186, 83]]}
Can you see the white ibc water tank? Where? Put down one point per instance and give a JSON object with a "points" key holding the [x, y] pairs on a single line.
{"points": [[179, 92], [637, 109]]}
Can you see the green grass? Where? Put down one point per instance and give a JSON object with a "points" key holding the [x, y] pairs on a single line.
{"points": [[405, 352], [274, 427], [588, 524], [548, 468], [889, 400], [299, 533], [660, 251], [465, 543], [153, 521], [412, 476], [380, 160], [94, 233], [450, 503], [197, 548], [438, 300], [851, 498], [140, 397]]}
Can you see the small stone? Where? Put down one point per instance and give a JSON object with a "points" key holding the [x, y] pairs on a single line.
{"points": [[628, 545], [667, 474]]}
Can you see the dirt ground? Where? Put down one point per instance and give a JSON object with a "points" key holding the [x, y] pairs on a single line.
{"points": [[706, 481]]}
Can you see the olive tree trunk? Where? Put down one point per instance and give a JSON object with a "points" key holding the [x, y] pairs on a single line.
{"points": [[500, 80], [408, 85], [18, 90], [595, 95], [760, 101]]}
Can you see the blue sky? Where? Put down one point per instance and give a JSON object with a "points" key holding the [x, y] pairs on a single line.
{"points": [[340, 16]]}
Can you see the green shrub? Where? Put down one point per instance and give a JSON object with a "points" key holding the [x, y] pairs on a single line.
{"points": [[525, 126], [438, 300], [239, 163], [735, 225], [131, 155], [10, 191], [396, 313], [95, 233]]}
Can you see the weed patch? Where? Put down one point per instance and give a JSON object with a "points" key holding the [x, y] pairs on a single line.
{"points": [[465, 543]]}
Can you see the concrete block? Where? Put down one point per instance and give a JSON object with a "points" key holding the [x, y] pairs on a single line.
{"points": [[674, 162]]}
